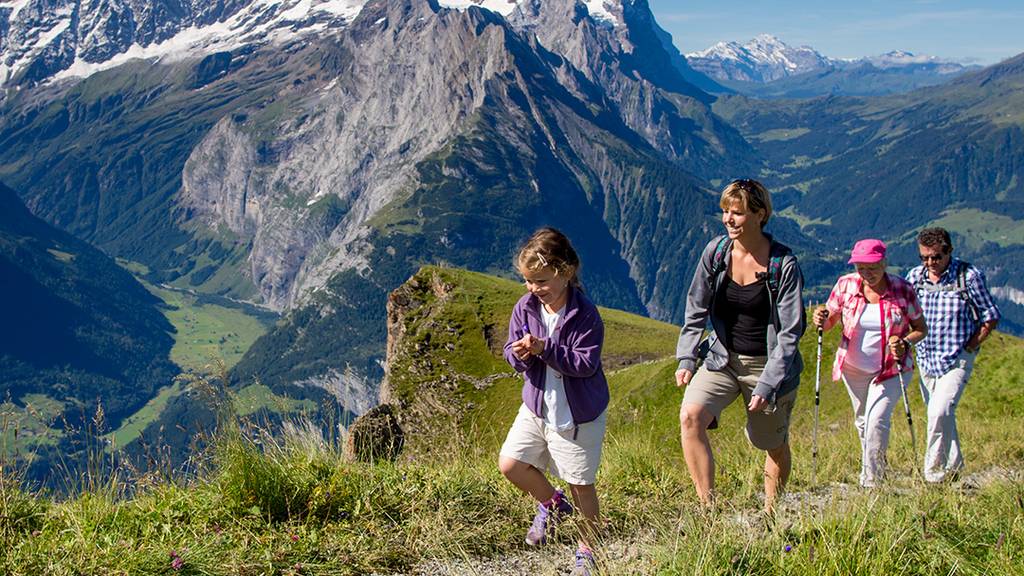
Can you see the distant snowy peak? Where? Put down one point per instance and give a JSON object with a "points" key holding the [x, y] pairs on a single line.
{"points": [[763, 59], [766, 58], [41, 39], [901, 59]]}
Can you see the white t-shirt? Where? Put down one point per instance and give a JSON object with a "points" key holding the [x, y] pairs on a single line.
{"points": [[865, 349], [556, 404]]}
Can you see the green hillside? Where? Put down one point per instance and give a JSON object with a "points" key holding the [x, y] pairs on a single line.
{"points": [[448, 367], [79, 333], [847, 168], [299, 506]]}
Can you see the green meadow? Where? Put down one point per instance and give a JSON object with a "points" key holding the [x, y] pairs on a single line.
{"points": [[298, 504]]}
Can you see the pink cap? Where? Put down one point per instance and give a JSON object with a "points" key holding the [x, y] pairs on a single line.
{"points": [[867, 252]]}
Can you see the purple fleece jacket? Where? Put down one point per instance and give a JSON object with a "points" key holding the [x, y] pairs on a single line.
{"points": [[573, 350]]}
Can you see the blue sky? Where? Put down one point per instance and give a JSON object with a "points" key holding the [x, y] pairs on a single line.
{"points": [[981, 31]]}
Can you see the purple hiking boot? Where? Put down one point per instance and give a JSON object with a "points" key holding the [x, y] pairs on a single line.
{"points": [[585, 565], [546, 518]]}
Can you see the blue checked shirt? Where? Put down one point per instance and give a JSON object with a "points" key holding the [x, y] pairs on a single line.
{"points": [[949, 318]]}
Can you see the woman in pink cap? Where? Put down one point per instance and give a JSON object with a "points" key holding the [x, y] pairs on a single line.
{"points": [[881, 318]]}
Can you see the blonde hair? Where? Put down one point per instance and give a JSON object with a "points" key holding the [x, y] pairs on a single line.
{"points": [[751, 195], [549, 248]]}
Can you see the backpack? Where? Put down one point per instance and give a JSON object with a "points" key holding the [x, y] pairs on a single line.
{"points": [[960, 287]]}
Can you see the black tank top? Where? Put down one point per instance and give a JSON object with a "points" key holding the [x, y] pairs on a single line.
{"points": [[746, 312]]}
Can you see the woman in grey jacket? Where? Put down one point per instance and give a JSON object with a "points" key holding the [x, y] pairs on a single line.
{"points": [[750, 287]]}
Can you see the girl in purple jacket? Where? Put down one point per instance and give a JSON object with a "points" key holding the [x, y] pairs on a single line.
{"points": [[555, 337]]}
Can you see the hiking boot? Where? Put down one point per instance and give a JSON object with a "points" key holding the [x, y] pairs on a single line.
{"points": [[585, 565], [546, 518]]}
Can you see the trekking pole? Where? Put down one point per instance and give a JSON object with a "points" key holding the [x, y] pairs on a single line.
{"points": [[817, 401], [910, 421]]}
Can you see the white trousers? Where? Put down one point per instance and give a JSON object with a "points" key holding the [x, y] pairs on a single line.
{"points": [[872, 413], [942, 394]]}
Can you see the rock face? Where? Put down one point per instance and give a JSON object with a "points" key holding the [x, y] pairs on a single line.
{"points": [[418, 383], [630, 63], [414, 77], [392, 103]]}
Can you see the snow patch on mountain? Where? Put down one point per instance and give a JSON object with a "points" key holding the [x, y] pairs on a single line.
{"points": [[503, 7], [15, 8], [602, 11], [108, 36], [246, 27]]}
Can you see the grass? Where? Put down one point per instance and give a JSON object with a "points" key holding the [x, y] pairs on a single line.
{"points": [[27, 427], [780, 134], [801, 220], [978, 227], [805, 161], [298, 505], [134, 425], [206, 332], [256, 397]]}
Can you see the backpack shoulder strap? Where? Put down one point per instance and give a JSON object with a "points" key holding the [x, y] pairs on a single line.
{"points": [[961, 278], [778, 253], [718, 263], [965, 294]]}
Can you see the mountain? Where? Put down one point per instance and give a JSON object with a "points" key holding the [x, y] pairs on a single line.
{"points": [[950, 155], [767, 67], [539, 142], [80, 333], [315, 168], [762, 59]]}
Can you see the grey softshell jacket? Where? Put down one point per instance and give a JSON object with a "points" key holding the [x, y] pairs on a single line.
{"points": [[782, 370]]}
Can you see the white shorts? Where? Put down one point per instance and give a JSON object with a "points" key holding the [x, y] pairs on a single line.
{"points": [[574, 460]]}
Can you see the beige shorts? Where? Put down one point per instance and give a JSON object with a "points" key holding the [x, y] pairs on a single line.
{"points": [[714, 390], [574, 460]]}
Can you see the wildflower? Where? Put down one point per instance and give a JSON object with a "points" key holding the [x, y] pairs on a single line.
{"points": [[176, 561], [788, 548], [295, 537]]}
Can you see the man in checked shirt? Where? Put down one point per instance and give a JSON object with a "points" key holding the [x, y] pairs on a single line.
{"points": [[960, 314]]}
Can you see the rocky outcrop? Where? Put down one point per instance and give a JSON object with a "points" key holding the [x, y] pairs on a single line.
{"points": [[419, 385], [376, 435]]}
